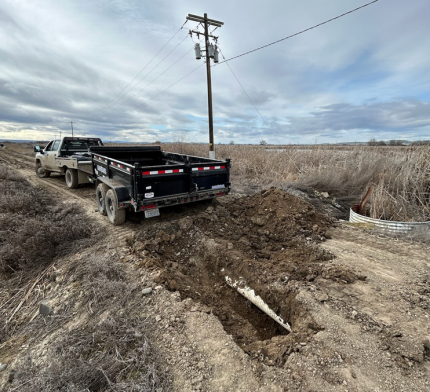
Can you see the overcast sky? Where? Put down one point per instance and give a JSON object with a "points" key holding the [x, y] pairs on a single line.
{"points": [[363, 76]]}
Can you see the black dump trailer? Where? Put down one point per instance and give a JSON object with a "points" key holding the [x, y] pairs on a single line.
{"points": [[145, 179]]}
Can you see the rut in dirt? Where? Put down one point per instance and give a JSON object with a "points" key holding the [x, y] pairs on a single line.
{"points": [[270, 240], [85, 194]]}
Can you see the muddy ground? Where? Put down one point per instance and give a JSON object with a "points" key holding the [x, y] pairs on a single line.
{"points": [[357, 302]]}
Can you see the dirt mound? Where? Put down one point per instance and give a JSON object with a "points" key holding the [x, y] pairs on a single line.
{"points": [[269, 240]]}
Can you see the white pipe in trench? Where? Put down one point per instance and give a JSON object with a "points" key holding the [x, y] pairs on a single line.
{"points": [[249, 294]]}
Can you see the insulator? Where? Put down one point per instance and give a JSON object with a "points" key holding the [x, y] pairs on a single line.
{"points": [[198, 51]]}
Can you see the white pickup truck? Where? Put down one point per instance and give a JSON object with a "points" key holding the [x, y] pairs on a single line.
{"points": [[68, 156]]}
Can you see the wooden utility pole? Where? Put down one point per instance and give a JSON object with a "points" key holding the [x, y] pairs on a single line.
{"points": [[211, 52]]}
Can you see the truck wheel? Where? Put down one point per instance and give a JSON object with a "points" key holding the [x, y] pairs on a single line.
{"points": [[101, 197], [72, 178], [116, 216], [41, 172]]}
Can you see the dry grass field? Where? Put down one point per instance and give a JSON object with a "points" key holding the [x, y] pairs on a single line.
{"points": [[145, 306]]}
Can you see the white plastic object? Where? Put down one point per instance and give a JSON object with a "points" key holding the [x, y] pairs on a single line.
{"points": [[249, 294]]}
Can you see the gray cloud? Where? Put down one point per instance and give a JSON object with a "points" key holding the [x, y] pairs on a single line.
{"points": [[63, 61]]}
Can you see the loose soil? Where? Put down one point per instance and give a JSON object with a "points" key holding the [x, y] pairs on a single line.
{"points": [[265, 240], [357, 302]]}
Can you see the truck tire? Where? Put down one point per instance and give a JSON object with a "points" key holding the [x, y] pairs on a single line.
{"points": [[101, 197], [116, 216], [72, 178], [41, 172]]}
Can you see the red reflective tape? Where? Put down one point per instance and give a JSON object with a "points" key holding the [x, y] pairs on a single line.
{"points": [[148, 173], [208, 168]]}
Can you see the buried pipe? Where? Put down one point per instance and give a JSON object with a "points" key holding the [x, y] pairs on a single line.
{"points": [[249, 294]]}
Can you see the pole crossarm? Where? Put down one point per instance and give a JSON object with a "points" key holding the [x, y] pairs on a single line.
{"points": [[212, 22]]}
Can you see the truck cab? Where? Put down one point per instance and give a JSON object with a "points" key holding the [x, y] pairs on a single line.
{"points": [[68, 156], [47, 156]]}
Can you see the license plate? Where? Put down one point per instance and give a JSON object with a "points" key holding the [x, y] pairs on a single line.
{"points": [[151, 213]]}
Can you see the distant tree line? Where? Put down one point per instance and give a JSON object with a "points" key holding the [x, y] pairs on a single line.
{"points": [[374, 142], [421, 143]]}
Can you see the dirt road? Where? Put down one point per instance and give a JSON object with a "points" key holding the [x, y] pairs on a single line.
{"points": [[358, 303]]}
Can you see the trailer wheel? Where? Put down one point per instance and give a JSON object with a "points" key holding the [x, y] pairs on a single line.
{"points": [[116, 216], [41, 172], [101, 197], [72, 178]]}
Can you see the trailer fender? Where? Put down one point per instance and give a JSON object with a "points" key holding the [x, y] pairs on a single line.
{"points": [[122, 192]]}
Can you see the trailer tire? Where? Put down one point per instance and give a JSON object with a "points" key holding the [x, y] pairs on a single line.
{"points": [[115, 215], [101, 197], [72, 178], [41, 172]]}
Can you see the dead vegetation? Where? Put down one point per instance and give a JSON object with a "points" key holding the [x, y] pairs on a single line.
{"points": [[110, 351], [35, 230], [400, 176], [107, 352]]}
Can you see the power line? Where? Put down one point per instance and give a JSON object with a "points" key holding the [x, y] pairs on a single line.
{"points": [[173, 36], [155, 96], [300, 32], [177, 61], [250, 100], [141, 80]]}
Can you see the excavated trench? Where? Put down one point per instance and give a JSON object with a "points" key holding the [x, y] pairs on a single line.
{"points": [[269, 240]]}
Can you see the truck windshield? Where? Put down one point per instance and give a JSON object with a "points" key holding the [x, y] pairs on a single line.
{"points": [[78, 145]]}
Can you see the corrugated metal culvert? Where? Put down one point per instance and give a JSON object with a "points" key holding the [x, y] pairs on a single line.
{"points": [[389, 226]]}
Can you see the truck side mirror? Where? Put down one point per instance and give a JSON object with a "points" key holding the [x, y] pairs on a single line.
{"points": [[36, 148]]}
